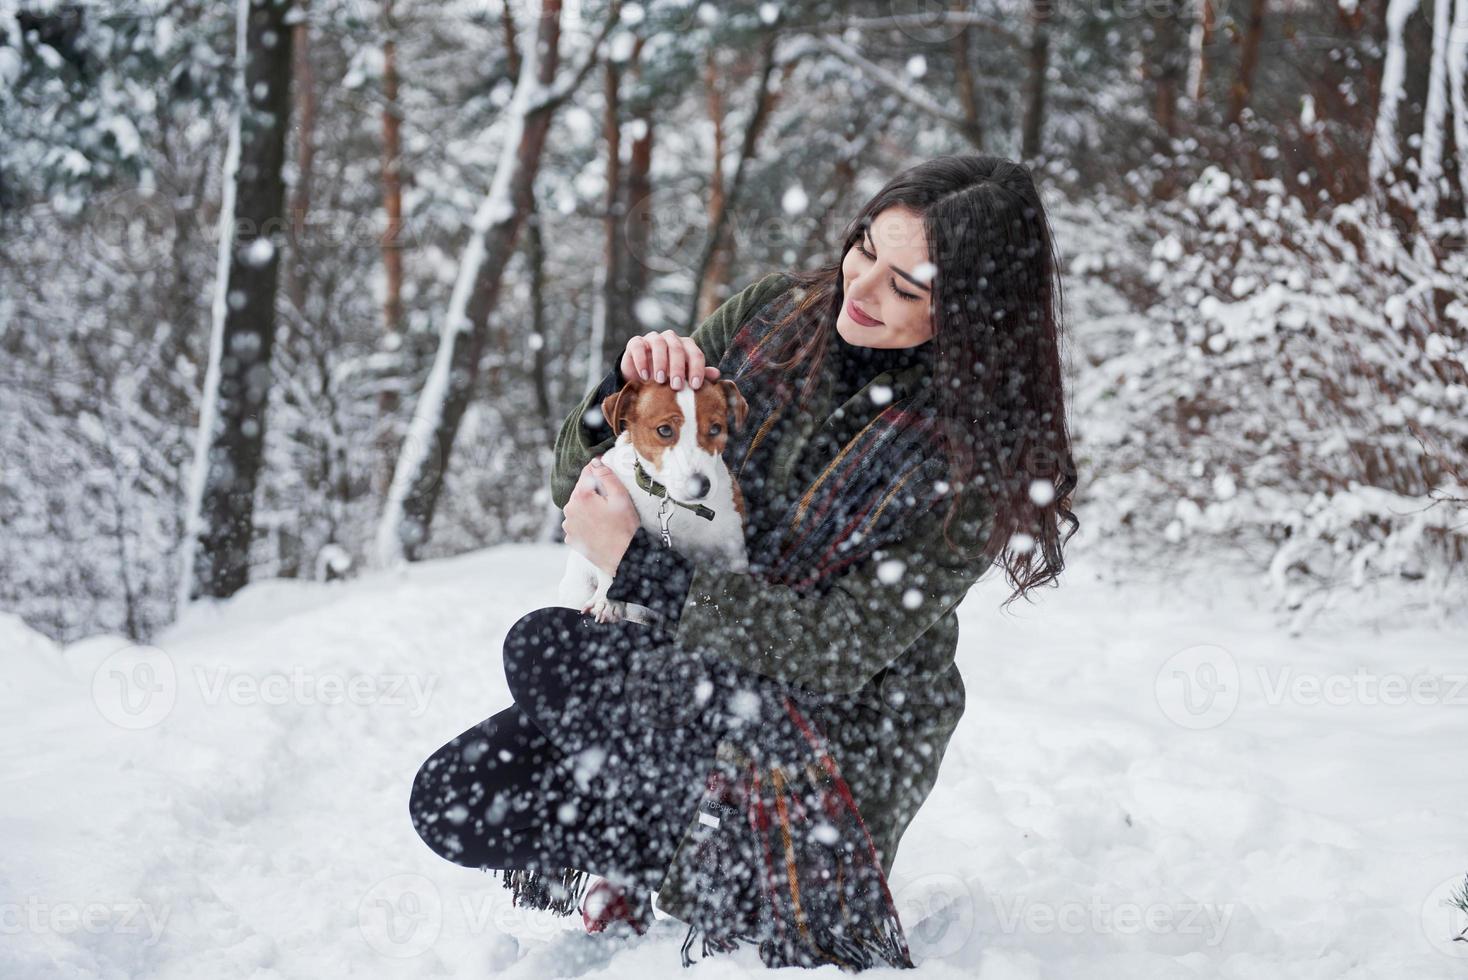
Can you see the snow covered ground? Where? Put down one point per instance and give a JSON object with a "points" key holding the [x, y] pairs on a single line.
{"points": [[1151, 780]]}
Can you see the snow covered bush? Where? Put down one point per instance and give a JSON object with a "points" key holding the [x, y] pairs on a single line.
{"points": [[1295, 381]]}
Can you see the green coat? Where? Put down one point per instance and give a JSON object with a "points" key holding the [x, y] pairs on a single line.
{"points": [[888, 662]]}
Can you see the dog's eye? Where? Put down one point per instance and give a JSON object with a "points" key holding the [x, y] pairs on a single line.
{"points": [[666, 431], [715, 429]]}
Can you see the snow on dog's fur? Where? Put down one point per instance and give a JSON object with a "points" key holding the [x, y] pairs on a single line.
{"points": [[679, 437]]}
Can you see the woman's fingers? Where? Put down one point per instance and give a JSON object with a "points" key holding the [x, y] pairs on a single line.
{"points": [[666, 358], [657, 358], [694, 363], [677, 359], [637, 360]]}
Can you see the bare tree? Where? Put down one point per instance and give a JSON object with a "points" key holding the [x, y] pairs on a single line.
{"points": [[216, 552], [1249, 42], [638, 189], [612, 314], [417, 479], [1204, 24], [392, 179], [727, 197], [1039, 64]]}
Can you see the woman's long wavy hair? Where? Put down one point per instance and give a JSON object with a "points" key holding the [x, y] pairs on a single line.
{"points": [[996, 304]]}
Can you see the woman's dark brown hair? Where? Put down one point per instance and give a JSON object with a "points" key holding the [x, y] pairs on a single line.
{"points": [[996, 305]]}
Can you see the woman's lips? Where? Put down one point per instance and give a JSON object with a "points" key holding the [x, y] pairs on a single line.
{"points": [[861, 317]]}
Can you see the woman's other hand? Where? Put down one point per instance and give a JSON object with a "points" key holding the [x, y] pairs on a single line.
{"points": [[666, 357], [600, 517]]}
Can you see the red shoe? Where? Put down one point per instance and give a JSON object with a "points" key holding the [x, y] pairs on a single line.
{"points": [[606, 908]]}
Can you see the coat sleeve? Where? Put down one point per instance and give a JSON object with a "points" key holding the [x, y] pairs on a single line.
{"points": [[585, 434], [653, 575], [834, 640]]}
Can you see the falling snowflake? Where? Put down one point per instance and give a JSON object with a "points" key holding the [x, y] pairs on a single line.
{"points": [[745, 705], [258, 253], [890, 571], [794, 201], [648, 312]]}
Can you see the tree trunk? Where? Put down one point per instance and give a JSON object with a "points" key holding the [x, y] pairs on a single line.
{"points": [[303, 87], [708, 300], [1165, 55], [539, 344], [1385, 156], [237, 382], [424, 457], [1435, 111], [638, 189], [392, 253], [1243, 87], [764, 101], [1039, 64], [1204, 25], [968, 95], [613, 306], [392, 179]]}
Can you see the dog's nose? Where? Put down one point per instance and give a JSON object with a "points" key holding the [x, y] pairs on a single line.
{"points": [[699, 486]]}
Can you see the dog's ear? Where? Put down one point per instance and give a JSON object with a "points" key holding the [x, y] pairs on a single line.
{"points": [[617, 407], [738, 407]]}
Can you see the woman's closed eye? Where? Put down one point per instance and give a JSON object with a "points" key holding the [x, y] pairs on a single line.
{"points": [[862, 248]]}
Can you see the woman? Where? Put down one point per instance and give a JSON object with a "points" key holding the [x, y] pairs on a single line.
{"points": [[906, 428]]}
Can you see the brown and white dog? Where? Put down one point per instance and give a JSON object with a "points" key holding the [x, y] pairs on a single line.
{"points": [[685, 494]]}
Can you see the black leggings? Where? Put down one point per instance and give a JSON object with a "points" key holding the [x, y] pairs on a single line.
{"points": [[598, 765]]}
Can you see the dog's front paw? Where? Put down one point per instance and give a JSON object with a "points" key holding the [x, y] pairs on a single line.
{"points": [[607, 610]]}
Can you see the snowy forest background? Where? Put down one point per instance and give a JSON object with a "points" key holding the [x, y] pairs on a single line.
{"points": [[417, 231]]}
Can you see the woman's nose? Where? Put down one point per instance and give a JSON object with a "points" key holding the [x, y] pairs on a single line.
{"points": [[863, 287]]}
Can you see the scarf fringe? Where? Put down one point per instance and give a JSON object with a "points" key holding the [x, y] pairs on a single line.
{"points": [[560, 892], [764, 876], [886, 946]]}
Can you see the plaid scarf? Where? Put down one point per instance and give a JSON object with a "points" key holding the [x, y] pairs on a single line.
{"points": [[780, 857], [888, 466]]}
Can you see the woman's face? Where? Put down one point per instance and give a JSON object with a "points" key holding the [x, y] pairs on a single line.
{"points": [[888, 284]]}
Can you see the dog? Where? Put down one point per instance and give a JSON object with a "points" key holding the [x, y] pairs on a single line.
{"points": [[669, 456]]}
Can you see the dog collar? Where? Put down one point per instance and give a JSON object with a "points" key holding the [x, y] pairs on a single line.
{"points": [[650, 486]]}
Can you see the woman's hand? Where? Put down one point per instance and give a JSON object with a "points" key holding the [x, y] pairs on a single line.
{"points": [[666, 357], [600, 517]]}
